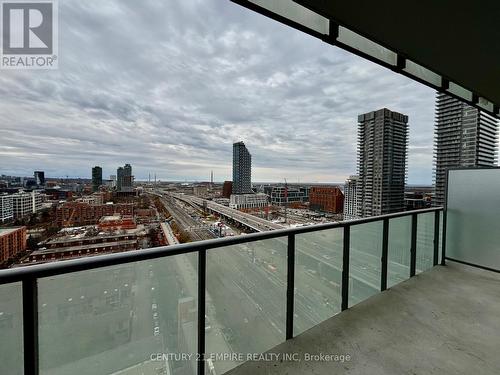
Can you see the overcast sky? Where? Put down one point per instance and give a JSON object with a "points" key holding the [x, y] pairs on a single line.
{"points": [[169, 85]]}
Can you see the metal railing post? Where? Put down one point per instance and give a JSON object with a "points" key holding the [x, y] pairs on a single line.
{"points": [[202, 275], [290, 286], [30, 326], [443, 241], [435, 259], [345, 267], [413, 248], [385, 253]]}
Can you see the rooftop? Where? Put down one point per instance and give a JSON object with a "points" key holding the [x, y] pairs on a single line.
{"points": [[90, 233], [85, 247], [113, 218], [5, 231]]}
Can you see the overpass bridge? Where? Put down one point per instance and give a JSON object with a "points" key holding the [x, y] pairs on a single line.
{"points": [[364, 267], [248, 221]]}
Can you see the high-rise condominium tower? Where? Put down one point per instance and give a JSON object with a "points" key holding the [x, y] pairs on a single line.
{"points": [[128, 179], [351, 198], [382, 147], [119, 178], [124, 179], [464, 137], [40, 178], [242, 169], [96, 178]]}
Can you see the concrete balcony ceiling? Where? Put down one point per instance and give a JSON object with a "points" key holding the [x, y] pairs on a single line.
{"points": [[452, 47]]}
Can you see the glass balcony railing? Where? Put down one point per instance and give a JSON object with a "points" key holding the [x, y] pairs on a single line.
{"points": [[202, 307]]}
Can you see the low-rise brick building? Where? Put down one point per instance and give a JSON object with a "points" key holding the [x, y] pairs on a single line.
{"points": [[72, 214], [12, 243], [87, 241], [116, 222], [326, 199]]}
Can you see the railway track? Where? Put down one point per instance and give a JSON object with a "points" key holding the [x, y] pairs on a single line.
{"points": [[195, 231]]}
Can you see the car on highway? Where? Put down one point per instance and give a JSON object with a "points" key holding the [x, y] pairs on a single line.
{"points": [[271, 267], [154, 307], [228, 334], [208, 326], [156, 331]]}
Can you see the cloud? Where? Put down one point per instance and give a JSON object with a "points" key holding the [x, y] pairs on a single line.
{"points": [[167, 86]]}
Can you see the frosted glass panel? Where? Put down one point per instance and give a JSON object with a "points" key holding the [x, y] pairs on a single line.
{"points": [[120, 319], [246, 300], [398, 266], [422, 73], [364, 261], [11, 329], [485, 104], [425, 242], [296, 13], [365, 45], [460, 91], [318, 277], [472, 233]]}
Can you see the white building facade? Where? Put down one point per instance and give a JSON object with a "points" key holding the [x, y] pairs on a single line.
{"points": [[6, 208], [248, 201], [26, 203]]}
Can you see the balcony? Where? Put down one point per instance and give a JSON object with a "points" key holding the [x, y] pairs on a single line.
{"points": [[384, 290], [138, 311], [443, 321]]}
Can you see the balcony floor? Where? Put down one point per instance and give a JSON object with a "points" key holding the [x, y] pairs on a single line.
{"points": [[444, 321]]}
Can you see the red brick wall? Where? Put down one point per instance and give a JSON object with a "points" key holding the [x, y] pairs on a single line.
{"points": [[12, 244], [227, 189], [79, 214], [326, 198]]}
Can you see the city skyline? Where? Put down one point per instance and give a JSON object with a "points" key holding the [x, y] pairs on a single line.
{"points": [[297, 113]]}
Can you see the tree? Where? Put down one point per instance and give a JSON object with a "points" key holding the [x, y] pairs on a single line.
{"points": [[32, 243]]}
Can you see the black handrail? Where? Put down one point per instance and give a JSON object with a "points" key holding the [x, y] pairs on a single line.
{"points": [[106, 260]]}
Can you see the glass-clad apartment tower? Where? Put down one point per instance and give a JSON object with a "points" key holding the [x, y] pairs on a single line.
{"points": [[96, 178], [464, 137], [242, 169], [382, 146], [351, 198]]}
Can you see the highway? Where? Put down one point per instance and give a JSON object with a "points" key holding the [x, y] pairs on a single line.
{"points": [[110, 311], [324, 247], [246, 298], [246, 283], [246, 294]]}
